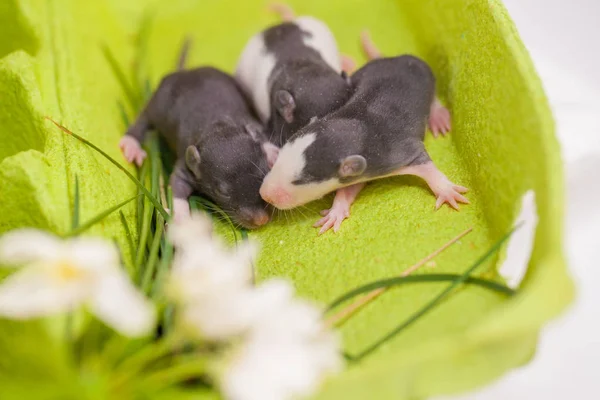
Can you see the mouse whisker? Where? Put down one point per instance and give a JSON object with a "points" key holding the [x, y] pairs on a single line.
{"points": [[281, 135], [263, 172]]}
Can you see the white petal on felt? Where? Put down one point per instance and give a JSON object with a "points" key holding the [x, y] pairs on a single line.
{"points": [[120, 305], [520, 245], [33, 292], [28, 245]]}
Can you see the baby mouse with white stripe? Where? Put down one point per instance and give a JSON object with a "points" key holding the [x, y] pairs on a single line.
{"points": [[378, 133], [222, 151], [292, 72]]}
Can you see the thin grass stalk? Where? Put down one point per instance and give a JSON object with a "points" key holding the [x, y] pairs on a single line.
{"points": [[154, 201], [435, 301], [87, 225], [132, 248], [360, 303]]}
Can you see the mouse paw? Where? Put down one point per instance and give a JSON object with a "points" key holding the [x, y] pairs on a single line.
{"points": [[451, 194], [348, 64], [439, 119], [286, 12], [332, 218], [132, 150]]}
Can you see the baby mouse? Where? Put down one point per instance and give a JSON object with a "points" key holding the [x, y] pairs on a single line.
{"points": [[379, 132], [220, 146], [292, 72]]}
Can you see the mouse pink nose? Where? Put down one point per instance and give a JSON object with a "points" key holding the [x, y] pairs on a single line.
{"points": [[276, 196], [261, 219]]}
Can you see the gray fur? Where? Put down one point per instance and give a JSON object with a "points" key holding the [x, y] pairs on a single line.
{"points": [[384, 121], [205, 108], [316, 88]]}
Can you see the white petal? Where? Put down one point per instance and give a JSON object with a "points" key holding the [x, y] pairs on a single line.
{"points": [[271, 371], [99, 255], [520, 245], [222, 316], [190, 231], [246, 252], [120, 305], [28, 245], [31, 293]]}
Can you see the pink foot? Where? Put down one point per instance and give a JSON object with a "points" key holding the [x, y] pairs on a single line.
{"points": [[451, 194], [286, 13], [444, 190], [340, 210], [348, 64], [132, 151], [369, 48], [333, 217], [439, 119]]}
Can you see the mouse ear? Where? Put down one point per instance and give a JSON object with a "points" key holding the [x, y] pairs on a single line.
{"points": [[255, 131], [285, 105], [192, 160], [352, 166], [271, 151]]}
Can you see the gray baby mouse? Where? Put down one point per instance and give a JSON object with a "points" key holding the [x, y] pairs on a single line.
{"points": [[292, 72], [378, 133], [221, 149]]}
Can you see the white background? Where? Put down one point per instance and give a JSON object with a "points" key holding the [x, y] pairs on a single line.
{"points": [[563, 38]]}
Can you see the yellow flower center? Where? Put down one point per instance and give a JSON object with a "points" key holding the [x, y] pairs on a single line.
{"points": [[66, 271]]}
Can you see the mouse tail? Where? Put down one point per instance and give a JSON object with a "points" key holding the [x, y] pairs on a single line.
{"points": [[183, 53]]}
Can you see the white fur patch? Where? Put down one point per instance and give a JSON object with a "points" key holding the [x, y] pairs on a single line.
{"points": [[520, 245], [291, 161], [322, 40], [252, 72], [288, 168]]}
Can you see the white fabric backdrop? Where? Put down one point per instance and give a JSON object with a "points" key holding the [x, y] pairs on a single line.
{"points": [[563, 38]]}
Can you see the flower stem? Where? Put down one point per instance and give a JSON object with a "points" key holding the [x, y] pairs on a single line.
{"points": [[182, 369], [130, 367]]}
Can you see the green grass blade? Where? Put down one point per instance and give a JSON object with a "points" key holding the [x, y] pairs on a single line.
{"points": [[153, 256], [134, 100], [429, 306], [83, 227], [132, 247], [166, 257], [429, 278], [144, 233], [153, 199], [76, 205], [140, 206], [123, 114], [184, 368]]}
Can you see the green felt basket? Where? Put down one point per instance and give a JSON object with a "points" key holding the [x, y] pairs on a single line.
{"points": [[502, 145]]}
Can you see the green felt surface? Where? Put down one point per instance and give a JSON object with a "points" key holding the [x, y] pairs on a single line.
{"points": [[502, 144]]}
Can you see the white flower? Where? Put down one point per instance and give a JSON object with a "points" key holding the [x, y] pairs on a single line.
{"points": [[211, 283], [288, 352], [58, 276], [286, 349]]}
